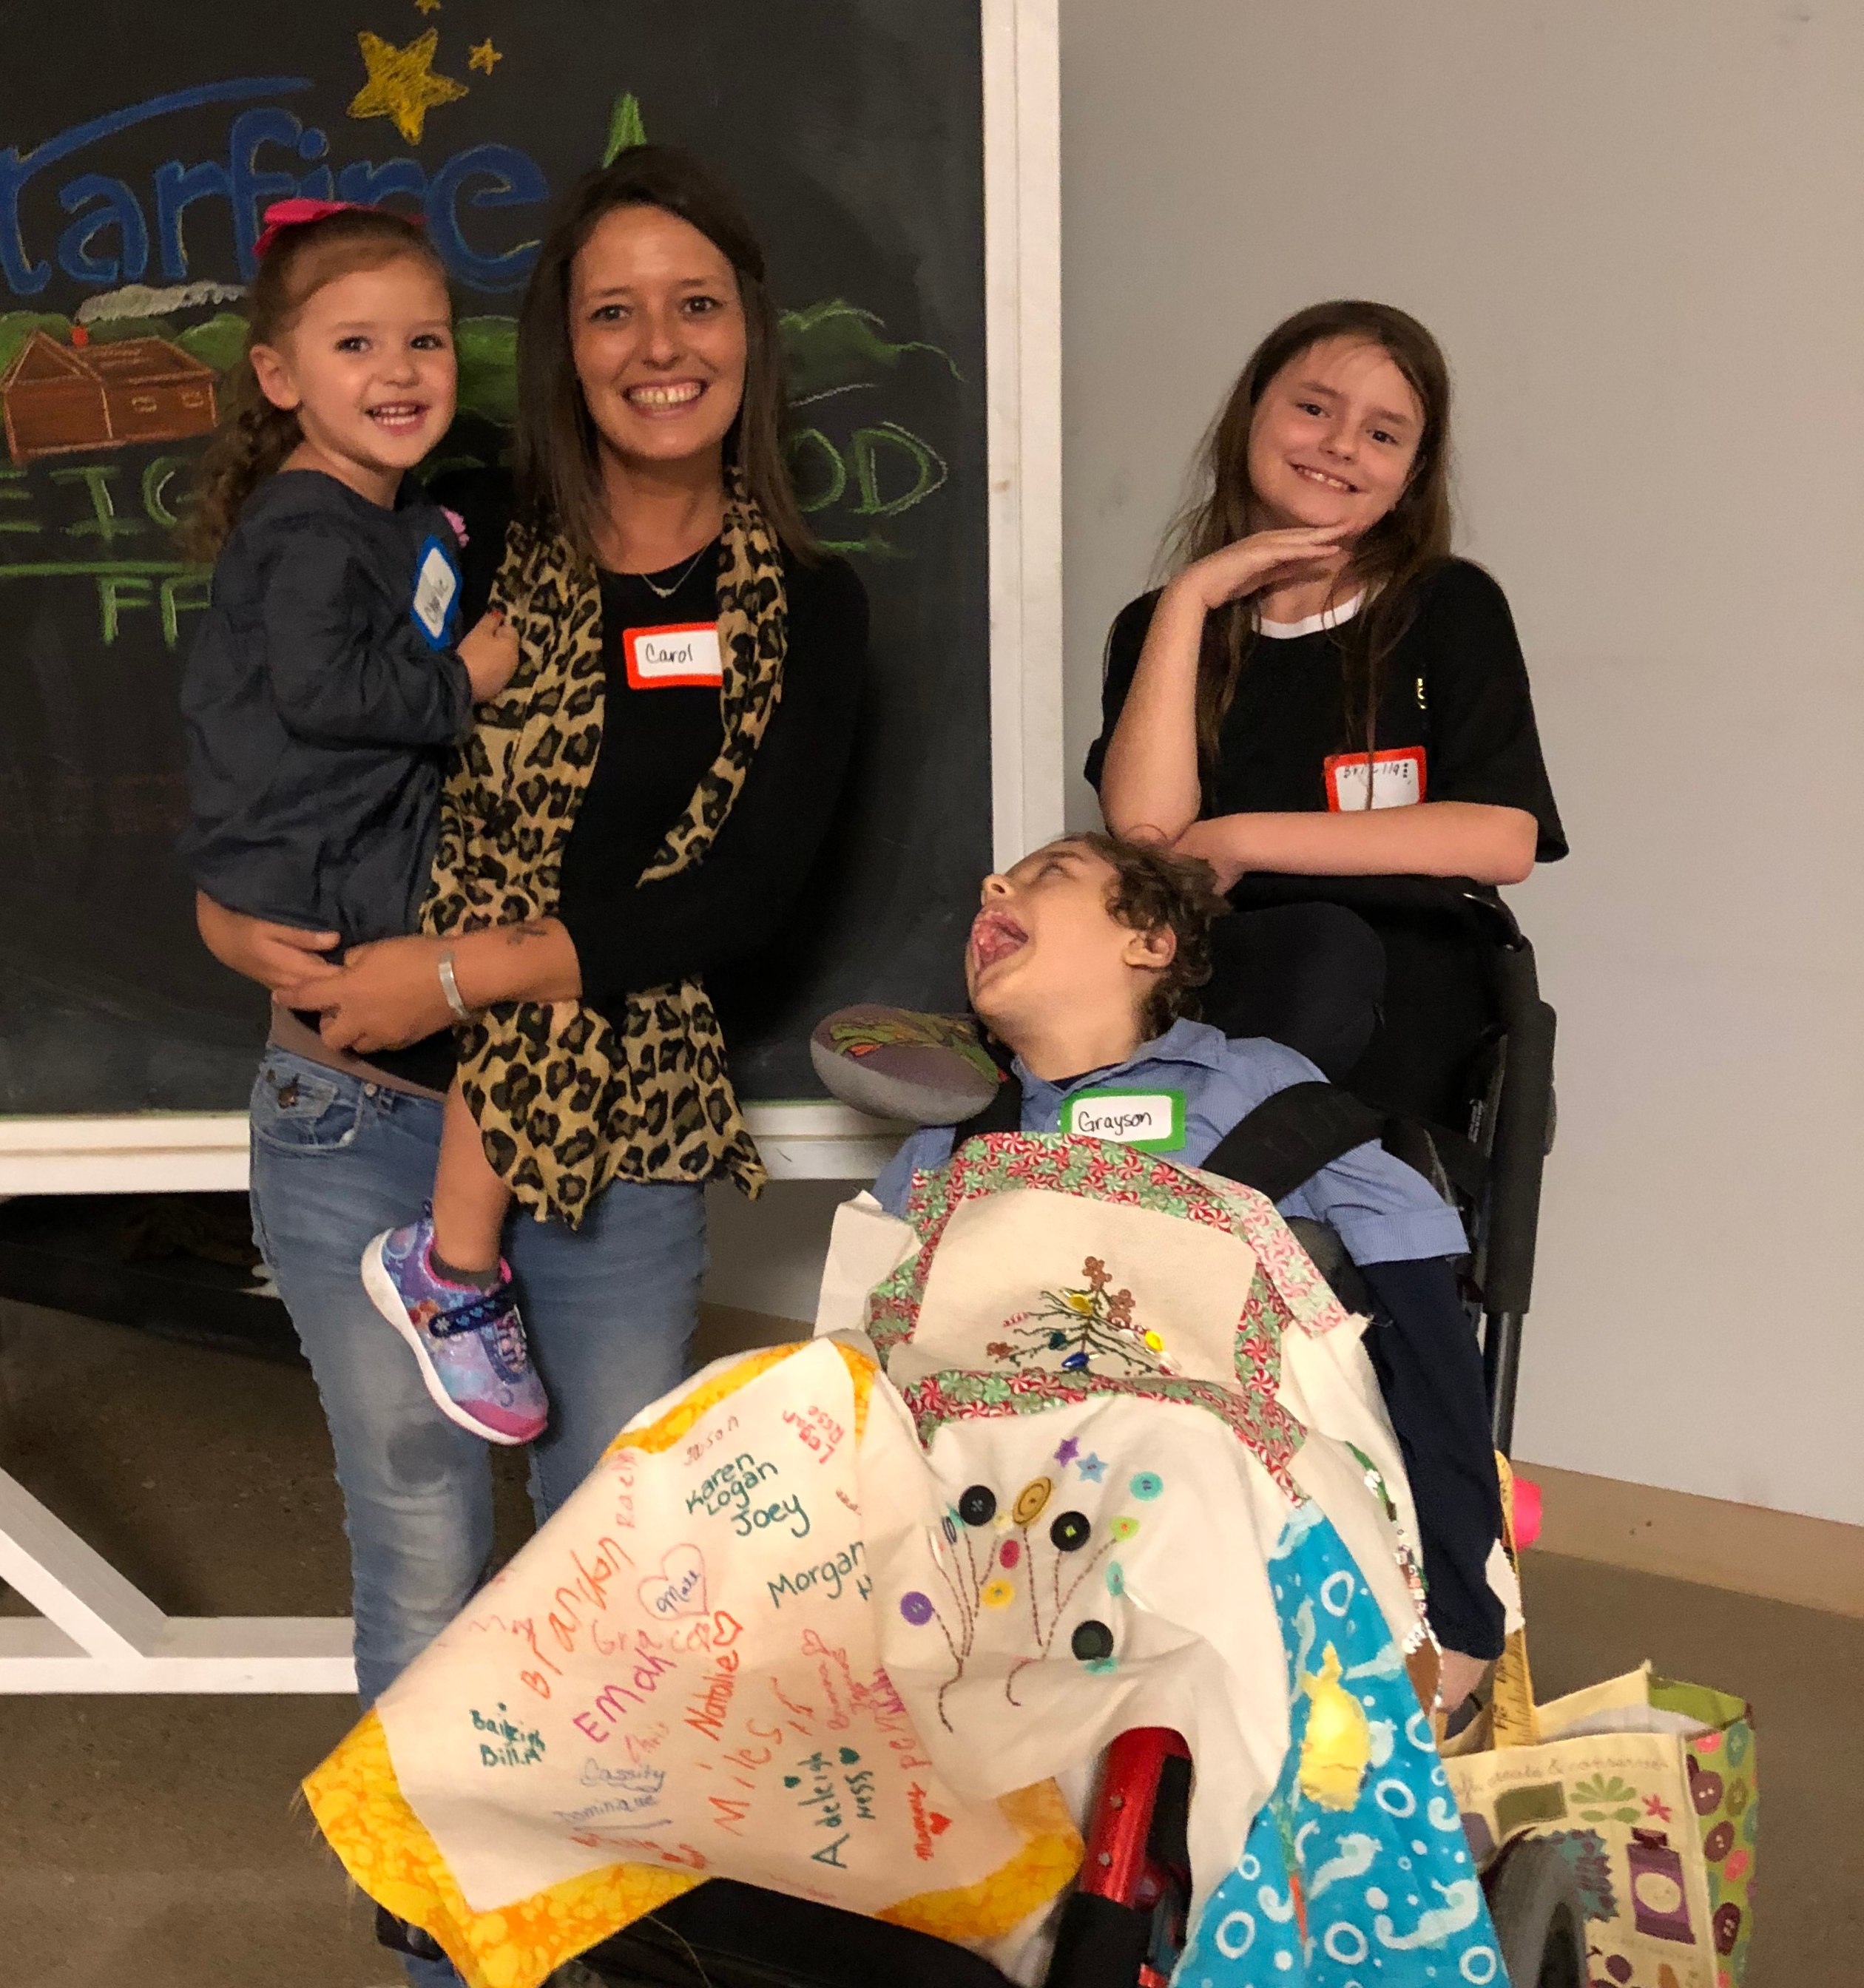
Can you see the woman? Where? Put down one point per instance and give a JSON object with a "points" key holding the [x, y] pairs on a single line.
{"points": [[1322, 690], [642, 804]]}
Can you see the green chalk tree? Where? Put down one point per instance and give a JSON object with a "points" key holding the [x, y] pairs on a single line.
{"points": [[624, 127]]}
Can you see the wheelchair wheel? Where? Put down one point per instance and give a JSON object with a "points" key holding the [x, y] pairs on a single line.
{"points": [[1539, 1922]]}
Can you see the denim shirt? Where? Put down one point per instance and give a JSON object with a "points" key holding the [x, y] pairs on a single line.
{"points": [[1383, 1211]]}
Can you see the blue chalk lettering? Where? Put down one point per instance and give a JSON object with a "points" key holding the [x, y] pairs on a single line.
{"points": [[121, 210], [317, 184], [370, 184], [177, 188], [511, 178], [25, 277], [254, 191]]}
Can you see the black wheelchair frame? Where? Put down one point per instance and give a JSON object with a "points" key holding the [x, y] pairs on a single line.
{"points": [[1124, 1923]]}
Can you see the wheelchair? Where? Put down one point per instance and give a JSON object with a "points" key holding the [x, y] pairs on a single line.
{"points": [[1478, 1121]]}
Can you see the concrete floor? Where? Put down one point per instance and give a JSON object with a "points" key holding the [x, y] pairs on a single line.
{"points": [[153, 1842]]}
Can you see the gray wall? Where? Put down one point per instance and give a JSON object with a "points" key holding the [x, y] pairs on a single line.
{"points": [[1637, 230]]}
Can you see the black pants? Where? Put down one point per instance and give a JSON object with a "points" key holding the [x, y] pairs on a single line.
{"points": [[1398, 1011], [1309, 975]]}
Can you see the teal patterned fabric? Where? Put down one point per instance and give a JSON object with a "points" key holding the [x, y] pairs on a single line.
{"points": [[1356, 1873]]}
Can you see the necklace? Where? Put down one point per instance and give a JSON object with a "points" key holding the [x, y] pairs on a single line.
{"points": [[667, 593]]}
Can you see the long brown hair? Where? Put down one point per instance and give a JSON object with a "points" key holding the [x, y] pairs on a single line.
{"points": [[1409, 542], [559, 466], [253, 438]]}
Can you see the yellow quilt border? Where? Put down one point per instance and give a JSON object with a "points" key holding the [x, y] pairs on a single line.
{"points": [[358, 1804]]}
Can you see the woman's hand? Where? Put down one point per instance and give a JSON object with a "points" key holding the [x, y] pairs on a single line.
{"points": [[275, 955], [490, 651], [1248, 565], [385, 995]]}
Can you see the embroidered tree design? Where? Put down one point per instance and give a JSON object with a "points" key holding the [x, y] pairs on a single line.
{"points": [[1083, 1323]]}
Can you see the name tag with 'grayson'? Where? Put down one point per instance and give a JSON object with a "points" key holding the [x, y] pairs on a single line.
{"points": [[686, 653], [1154, 1120]]}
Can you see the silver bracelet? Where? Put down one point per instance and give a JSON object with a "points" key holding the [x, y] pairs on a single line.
{"points": [[450, 987]]}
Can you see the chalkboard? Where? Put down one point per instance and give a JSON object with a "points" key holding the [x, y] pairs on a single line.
{"points": [[142, 142]]}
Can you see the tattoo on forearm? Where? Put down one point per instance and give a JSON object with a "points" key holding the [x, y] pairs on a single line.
{"points": [[531, 928]]}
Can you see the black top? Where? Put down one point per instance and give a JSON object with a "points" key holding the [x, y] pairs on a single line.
{"points": [[658, 740], [1455, 688], [319, 696]]}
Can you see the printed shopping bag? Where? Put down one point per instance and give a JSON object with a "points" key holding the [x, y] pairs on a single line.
{"points": [[1648, 1787]]}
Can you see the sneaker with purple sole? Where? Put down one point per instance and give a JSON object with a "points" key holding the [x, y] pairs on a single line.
{"points": [[468, 1343]]}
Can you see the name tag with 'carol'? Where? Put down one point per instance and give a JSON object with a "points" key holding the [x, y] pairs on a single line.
{"points": [[1153, 1120], [663, 658]]}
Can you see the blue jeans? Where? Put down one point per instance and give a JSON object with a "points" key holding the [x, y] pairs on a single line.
{"points": [[609, 1308]]}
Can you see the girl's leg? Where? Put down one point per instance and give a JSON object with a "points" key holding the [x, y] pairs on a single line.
{"points": [[470, 1201], [333, 1160], [611, 1308], [1309, 976], [441, 1283]]}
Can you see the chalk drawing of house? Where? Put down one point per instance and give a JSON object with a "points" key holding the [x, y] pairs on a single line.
{"points": [[61, 398]]}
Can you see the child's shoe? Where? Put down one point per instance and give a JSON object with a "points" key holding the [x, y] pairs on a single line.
{"points": [[468, 1343]]}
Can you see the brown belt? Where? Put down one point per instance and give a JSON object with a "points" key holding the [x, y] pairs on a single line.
{"points": [[288, 1033]]}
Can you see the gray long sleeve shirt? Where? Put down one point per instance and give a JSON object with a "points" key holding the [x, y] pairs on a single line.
{"points": [[318, 698]]}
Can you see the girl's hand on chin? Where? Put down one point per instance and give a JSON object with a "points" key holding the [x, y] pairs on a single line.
{"points": [[1248, 565], [387, 995]]}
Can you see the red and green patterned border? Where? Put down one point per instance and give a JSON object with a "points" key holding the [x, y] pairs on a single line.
{"points": [[1286, 1290]]}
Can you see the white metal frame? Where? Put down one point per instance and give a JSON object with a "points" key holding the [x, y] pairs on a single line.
{"points": [[96, 1631]]}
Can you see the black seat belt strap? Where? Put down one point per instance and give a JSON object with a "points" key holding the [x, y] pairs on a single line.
{"points": [[1284, 1141], [1003, 1113], [1290, 1136]]}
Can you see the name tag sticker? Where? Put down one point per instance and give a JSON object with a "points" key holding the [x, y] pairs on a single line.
{"points": [[1153, 1120], [1388, 779], [436, 589], [686, 653]]}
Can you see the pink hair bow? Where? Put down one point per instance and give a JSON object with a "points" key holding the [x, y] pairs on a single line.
{"points": [[296, 213]]}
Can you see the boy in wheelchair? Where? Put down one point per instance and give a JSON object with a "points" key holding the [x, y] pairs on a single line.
{"points": [[1082, 961], [851, 1623]]}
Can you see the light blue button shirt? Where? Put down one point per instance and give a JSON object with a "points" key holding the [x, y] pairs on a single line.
{"points": [[1383, 1211]]}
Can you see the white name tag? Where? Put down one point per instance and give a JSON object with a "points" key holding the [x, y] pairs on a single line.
{"points": [[1388, 779], [436, 589], [1152, 1120], [661, 658]]}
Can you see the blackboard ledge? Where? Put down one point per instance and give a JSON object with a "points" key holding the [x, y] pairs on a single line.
{"points": [[159, 1152]]}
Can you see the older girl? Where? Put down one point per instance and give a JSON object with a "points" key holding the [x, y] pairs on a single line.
{"points": [[1323, 689]]}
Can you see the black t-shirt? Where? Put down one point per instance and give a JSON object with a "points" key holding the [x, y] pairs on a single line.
{"points": [[1455, 689], [659, 737]]}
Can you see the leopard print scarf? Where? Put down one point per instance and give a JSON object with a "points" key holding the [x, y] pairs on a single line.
{"points": [[566, 1101]]}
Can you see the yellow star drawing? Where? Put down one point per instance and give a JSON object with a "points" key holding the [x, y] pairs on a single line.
{"points": [[401, 85], [484, 56]]}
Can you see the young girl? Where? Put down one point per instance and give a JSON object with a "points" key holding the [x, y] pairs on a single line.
{"points": [[1322, 690], [325, 687]]}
